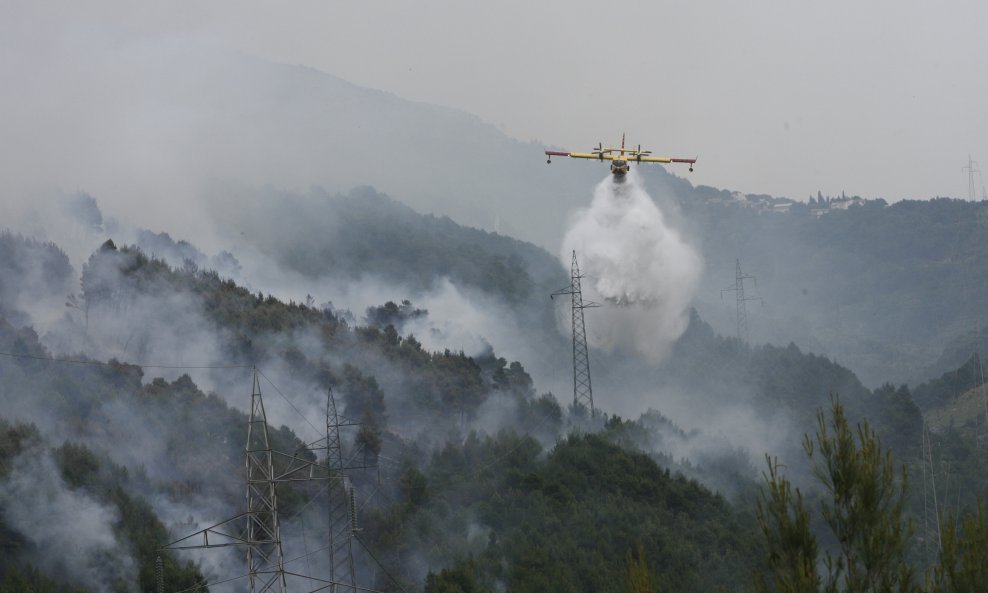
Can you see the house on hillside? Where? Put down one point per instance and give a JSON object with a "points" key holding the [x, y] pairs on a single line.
{"points": [[844, 203]]}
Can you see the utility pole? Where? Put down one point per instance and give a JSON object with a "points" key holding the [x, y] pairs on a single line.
{"points": [[741, 300], [971, 168], [582, 388]]}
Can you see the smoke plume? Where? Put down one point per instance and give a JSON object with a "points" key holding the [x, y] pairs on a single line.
{"points": [[70, 534], [634, 264]]}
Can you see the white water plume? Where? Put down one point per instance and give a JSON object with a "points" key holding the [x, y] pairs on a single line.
{"points": [[639, 268]]}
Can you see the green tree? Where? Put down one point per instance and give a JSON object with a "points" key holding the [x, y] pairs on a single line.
{"points": [[369, 438], [31, 580], [963, 566], [414, 487], [640, 578], [863, 508], [458, 579], [791, 545]]}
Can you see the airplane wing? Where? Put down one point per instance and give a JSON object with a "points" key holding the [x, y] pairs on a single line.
{"points": [[659, 159], [632, 158], [582, 155]]}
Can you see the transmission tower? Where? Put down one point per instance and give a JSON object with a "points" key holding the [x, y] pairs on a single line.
{"points": [[265, 560], [582, 389], [971, 168], [342, 519], [258, 529], [741, 300]]}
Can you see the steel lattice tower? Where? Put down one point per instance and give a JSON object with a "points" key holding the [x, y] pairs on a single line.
{"points": [[582, 388], [262, 536], [265, 560], [971, 168], [741, 300], [341, 512]]}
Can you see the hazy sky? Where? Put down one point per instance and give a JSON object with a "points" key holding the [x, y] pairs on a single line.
{"points": [[881, 98]]}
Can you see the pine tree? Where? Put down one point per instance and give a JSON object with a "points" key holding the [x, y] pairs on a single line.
{"points": [[791, 546], [963, 566], [863, 507]]}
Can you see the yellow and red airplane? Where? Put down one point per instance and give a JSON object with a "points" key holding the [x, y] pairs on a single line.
{"points": [[619, 157]]}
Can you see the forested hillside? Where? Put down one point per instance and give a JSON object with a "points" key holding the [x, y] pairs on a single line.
{"points": [[186, 446], [826, 281], [889, 290], [484, 480], [258, 322]]}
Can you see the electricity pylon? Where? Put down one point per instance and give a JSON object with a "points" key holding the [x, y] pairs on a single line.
{"points": [[342, 519], [971, 168], [741, 300], [582, 388], [265, 560], [261, 535]]}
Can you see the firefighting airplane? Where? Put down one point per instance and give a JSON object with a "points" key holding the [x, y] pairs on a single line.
{"points": [[619, 157]]}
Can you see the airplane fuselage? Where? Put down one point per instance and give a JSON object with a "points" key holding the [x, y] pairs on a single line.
{"points": [[619, 169]]}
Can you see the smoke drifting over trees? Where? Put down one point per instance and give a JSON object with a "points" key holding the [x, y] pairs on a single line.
{"points": [[414, 402], [69, 534], [439, 338]]}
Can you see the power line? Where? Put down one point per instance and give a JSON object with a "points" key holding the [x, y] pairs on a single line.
{"points": [[119, 363], [163, 366], [288, 401], [378, 562]]}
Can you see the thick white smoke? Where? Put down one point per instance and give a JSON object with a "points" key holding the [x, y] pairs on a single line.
{"points": [[70, 534], [636, 266]]}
